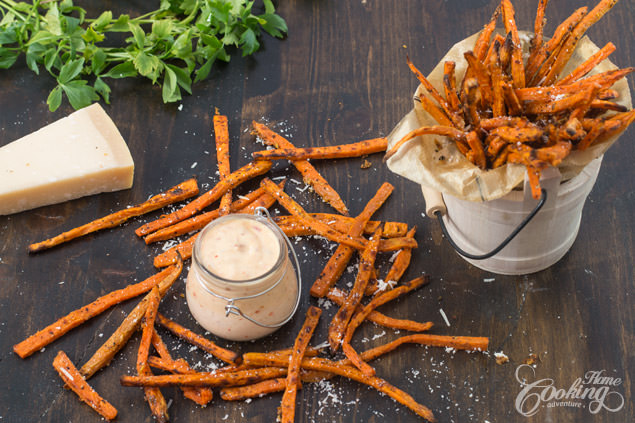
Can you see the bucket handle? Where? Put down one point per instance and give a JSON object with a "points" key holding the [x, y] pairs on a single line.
{"points": [[436, 207]]}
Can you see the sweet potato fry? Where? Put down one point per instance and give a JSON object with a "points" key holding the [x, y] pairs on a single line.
{"points": [[476, 145], [449, 86], [445, 108], [240, 393], [232, 181], [468, 343], [221, 136], [122, 334], [339, 260], [203, 343], [361, 315], [293, 375], [479, 72], [498, 96], [470, 104], [588, 65], [75, 318], [607, 105], [539, 25], [548, 108], [572, 40], [517, 66], [337, 327], [309, 174], [208, 379], [84, 391], [482, 42], [357, 149], [514, 108], [320, 227], [434, 111], [147, 329], [199, 221], [153, 395], [437, 130], [338, 297], [175, 194]]}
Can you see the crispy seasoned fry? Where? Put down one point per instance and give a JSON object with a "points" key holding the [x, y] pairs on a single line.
{"points": [[84, 391], [320, 227], [569, 45], [454, 117], [357, 149], [221, 136], [122, 334], [482, 42], [155, 398], [498, 96], [588, 65], [434, 111], [175, 194], [75, 318], [517, 66], [309, 174], [147, 329], [208, 379], [361, 315], [339, 260], [337, 327], [239, 393], [468, 343], [232, 181], [539, 25], [594, 133], [199, 221], [470, 104], [205, 344], [449, 86], [438, 130], [476, 145], [338, 297], [607, 105], [479, 72], [297, 354]]}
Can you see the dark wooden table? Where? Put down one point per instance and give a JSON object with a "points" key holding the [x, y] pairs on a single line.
{"points": [[339, 77]]}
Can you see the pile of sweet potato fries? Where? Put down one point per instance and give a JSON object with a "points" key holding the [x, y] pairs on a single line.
{"points": [[252, 375], [506, 110]]}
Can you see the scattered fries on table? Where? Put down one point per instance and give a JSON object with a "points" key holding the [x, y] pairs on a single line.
{"points": [[255, 374], [505, 111]]}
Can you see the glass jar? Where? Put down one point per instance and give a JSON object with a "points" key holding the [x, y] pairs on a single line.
{"points": [[242, 284]]}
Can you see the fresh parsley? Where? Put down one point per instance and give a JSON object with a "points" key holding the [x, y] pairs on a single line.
{"points": [[175, 45]]}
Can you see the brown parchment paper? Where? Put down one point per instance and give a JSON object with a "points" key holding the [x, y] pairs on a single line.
{"points": [[434, 162]]}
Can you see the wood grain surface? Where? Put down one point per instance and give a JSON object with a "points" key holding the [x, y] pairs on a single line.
{"points": [[340, 76]]}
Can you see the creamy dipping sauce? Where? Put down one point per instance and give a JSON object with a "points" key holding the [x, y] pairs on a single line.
{"points": [[239, 249], [241, 256]]}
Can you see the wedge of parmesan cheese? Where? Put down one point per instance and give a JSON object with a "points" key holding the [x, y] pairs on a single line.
{"points": [[81, 154]]}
